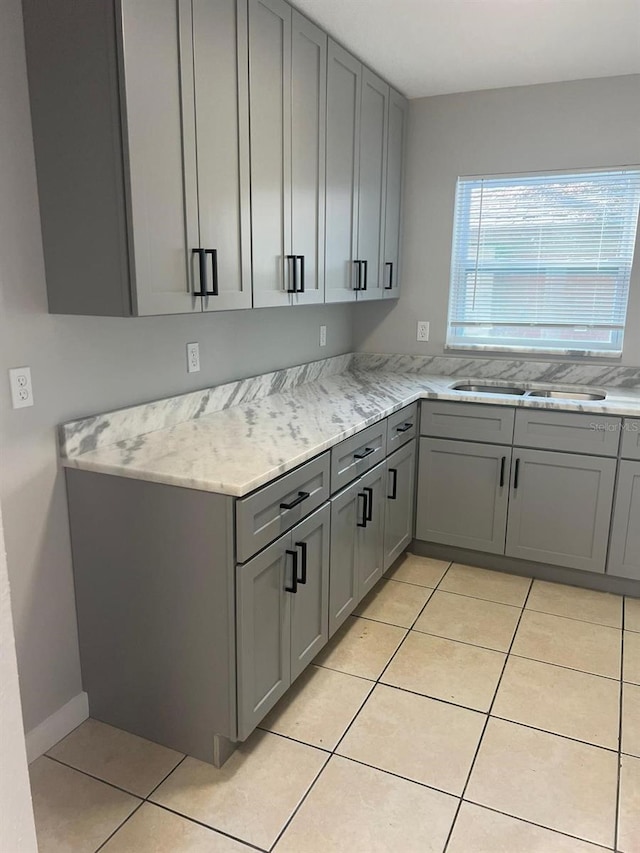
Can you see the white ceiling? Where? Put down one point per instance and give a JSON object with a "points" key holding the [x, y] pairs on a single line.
{"points": [[433, 47]]}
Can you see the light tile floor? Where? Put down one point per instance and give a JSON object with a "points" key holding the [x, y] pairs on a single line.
{"points": [[461, 710]]}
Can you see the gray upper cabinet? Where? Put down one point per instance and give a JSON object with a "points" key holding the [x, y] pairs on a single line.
{"points": [[396, 143], [399, 502], [624, 552]]}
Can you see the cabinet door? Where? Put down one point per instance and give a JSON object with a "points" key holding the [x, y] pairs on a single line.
{"points": [[344, 82], [624, 554], [308, 128], [560, 508], [463, 494], [398, 116], [159, 113], [347, 512], [374, 115], [222, 110], [263, 614], [310, 604], [371, 537], [400, 502], [270, 113]]}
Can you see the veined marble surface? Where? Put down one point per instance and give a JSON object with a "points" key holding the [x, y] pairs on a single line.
{"points": [[240, 448]]}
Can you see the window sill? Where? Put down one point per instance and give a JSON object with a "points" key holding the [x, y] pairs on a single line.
{"points": [[567, 353]]}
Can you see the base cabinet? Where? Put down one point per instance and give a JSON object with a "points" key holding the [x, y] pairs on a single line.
{"points": [[399, 502], [624, 553]]}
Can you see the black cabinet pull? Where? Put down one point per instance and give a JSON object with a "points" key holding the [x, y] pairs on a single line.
{"points": [[301, 259], [214, 271], [502, 466], [294, 267], [363, 523], [366, 272], [516, 476], [404, 427], [303, 569], [358, 275], [302, 496], [390, 285], [394, 488], [364, 453], [202, 257], [294, 573], [369, 493]]}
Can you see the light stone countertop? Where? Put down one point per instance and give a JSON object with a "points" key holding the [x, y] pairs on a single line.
{"points": [[240, 448]]}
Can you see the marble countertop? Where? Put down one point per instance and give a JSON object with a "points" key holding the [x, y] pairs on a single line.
{"points": [[240, 448]]}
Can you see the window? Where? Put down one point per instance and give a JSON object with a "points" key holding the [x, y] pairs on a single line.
{"points": [[543, 262]]}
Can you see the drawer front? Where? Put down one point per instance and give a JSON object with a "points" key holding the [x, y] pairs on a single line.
{"points": [[263, 516], [631, 438], [467, 421], [569, 431], [402, 426], [356, 455]]}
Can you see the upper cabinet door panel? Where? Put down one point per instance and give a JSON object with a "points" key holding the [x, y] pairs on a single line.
{"points": [[308, 122], [270, 111], [222, 110], [372, 185], [398, 115], [160, 135], [344, 82]]}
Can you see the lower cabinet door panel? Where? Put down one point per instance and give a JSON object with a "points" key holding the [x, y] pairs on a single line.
{"points": [[624, 554], [263, 633], [310, 604], [463, 493], [560, 508], [347, 511], [371, 537], [400, 502]]}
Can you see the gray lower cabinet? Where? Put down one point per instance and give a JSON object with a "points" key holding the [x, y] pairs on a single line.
{"points": [[281, 613], [463, 494], [624, 552], [560, 508], [399, 502]]}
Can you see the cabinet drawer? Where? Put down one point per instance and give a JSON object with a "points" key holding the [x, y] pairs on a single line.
{"points": [[356, 455], [631, 438], [262, 517], [402, 426], [467, 421], [569, 431]]}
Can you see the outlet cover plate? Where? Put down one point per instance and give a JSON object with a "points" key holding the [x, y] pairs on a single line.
{"points": [[21, 388], [423, 330], [323, 336], [193, 358]]}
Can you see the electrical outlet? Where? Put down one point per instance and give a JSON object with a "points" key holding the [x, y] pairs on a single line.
{"points": [[21, 388], [193, 358], [423, 330], [323, 336]]}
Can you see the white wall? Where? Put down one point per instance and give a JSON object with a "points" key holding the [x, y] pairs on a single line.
{"points": [[86, 365], [588, 123]]}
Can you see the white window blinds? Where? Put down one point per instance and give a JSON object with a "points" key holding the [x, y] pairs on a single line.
{"points": [[543, 262]]}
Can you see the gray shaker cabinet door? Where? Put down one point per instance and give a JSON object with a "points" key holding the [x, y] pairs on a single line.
{"points": [[560, 508], [371, 537], [463, 493], [397, 135], [222, 110], [624, 554], [344, 83], [263, 633], [400, 502], [347, 512], [310, 604]]}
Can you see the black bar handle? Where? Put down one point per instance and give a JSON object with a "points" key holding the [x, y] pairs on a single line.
{"points": [[301, 259], [302, 496], [366, 273], [364, 453], [404, 427], [214, 264], [363, 523], [369, 493], [303, 553], [202, 256], [502, 467], [294, 573], [293, 289], [390, 285], [516, 476], [358, 275], [394, 488]]}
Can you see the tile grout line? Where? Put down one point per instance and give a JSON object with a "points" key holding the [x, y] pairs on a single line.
{"points": [[119, 827], [95, 778], [620, 707], [214, 829]]}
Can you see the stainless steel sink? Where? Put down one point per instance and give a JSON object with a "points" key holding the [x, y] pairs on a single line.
{"points": [[488, 389], [569, 395]]}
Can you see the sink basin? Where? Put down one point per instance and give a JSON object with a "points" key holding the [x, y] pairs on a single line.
{"points": [[569, 395], [488, 389]]}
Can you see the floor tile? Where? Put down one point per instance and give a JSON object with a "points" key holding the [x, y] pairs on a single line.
{"points": [[394, 602], [632, 614], [423, 571], [125, 760], [155, 830], [549, 780], [567, 642], [559, 700], [361, 647], [629, 815], [73, 812], [631, 719], [470, 620], [586, 604], [318, 707], [418, 738], [631, 670], [483, 583], [357, 809], [479, 830], [443, 669], [253, 795]]}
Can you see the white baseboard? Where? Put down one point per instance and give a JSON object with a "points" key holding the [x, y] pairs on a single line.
{"points": [[57, 726]]}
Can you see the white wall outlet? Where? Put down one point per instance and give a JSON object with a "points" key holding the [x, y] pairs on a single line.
{"points": [[323, 336], [21, 388], [423, 330], [193, 358]]}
